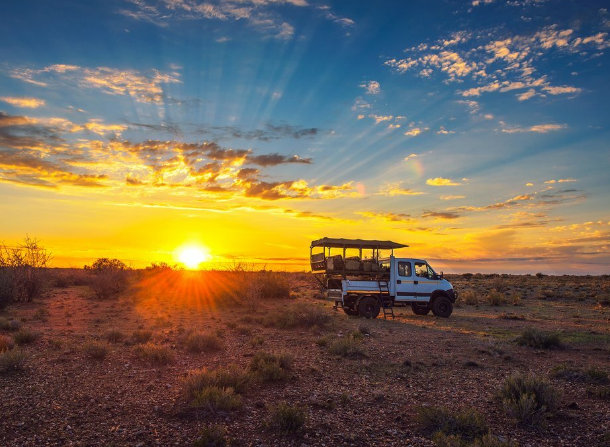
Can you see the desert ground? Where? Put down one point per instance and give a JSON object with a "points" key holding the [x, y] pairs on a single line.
{"points": [[165, 362]]}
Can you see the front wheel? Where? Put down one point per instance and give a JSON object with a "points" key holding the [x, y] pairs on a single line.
{"points": [[369, 307], [349, 311], [419, 309], [442, 307]]}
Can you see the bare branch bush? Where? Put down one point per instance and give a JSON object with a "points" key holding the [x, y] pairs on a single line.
{"points": [[23, 271]]}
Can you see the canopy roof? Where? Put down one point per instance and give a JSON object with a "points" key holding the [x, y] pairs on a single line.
{"points": [[355, 243]]}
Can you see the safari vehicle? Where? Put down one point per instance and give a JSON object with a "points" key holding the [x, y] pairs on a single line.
{"points": [[365, 286]]}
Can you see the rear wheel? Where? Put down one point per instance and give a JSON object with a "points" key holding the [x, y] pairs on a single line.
{"points": [[420, 309], [369, 307], [442, 307]]}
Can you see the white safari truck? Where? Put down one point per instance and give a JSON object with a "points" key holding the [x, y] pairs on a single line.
{"points": [[366, 285]]}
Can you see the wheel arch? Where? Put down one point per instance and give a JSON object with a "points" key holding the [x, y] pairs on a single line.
{"points": [[438, 293]]}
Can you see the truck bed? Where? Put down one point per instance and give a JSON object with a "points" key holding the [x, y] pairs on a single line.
{"points": [[353, 286]]}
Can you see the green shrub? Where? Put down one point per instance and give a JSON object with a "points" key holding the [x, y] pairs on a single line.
{"points": [[257, 340], [599, 392], [496, 298], [271, 367], [9, 325], [155, 354], [114, 336], [231, 376], [11, 360], [469, 297], [591, 375], [346, 347], [286, 419], [25, 337], [467, 424], [199, 342], [324, 341], [95, 350], [535, 338], [528, 399], [595, 375], [566, 372], [215, 399], [213, 436], [6, 343], [141, 336]]}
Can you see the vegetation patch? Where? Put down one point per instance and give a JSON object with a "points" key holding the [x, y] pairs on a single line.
{"points": [[301, 315], [155, 354], [215, 399], [6, 343], [528, 399], [286, 419], [347, 347], [114, 336], [465, 424], [141, 336], [11, 361], [271, 367], [25, 337], [199, 342], [9, 325], [535, 338], [95, 350], [213, 436], [231, 376], [442, 440]]}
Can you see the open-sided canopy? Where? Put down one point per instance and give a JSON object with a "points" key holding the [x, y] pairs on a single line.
{"points": [[355, 243]]}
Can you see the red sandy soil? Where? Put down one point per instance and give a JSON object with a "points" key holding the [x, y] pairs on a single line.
{"points": [[63, 397]]}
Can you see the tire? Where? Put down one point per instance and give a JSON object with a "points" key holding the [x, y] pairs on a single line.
{"points": [[369, 307], [351, 312], [442, 307], [420, 310]]}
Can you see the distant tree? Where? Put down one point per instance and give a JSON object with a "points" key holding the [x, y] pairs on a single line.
{"points": [[105, 264]]}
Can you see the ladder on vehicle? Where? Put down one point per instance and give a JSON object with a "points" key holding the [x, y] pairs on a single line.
{"points": [[387, 304]]}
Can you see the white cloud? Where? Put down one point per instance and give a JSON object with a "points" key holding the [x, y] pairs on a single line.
{"points": [[440, 181], [498, 64], [380, 118], [143, 87], [28, 103], [560, 90], [538, 128], [371, 87], [414, 132], [527, 95], [409, 157]]}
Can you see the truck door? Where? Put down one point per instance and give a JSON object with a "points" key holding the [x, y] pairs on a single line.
{"points": [[425, 281], [404, 281]]}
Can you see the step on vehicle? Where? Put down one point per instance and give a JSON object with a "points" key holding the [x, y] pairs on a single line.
{"points": [[366, 286]]}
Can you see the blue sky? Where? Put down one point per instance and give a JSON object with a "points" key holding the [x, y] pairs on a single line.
{"points": [[476, 131]]}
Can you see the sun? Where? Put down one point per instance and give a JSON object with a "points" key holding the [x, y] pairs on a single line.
{"points": [[193, 256]]}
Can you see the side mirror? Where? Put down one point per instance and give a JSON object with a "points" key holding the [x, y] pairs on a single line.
{"points": [[441, 275]]}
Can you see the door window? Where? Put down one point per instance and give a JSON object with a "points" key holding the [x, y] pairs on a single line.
{"points": [[404, 269], [422, 270]]}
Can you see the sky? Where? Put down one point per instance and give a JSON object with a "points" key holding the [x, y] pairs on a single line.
{"points": [[476, 132]]}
